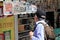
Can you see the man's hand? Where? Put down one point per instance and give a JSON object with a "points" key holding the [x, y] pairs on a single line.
{"points": [[31, 34]]}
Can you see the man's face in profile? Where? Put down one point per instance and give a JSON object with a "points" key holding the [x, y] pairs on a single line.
{"points": [[35, 18]]}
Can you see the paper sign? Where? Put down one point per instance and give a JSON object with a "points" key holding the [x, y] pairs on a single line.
{"points": [[7, 35], [8, 8], [7, 27]]}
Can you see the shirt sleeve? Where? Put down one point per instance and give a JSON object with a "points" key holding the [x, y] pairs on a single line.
{"points": [[39, 33]]}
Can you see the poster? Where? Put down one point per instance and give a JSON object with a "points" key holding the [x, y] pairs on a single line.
{"points": [[7, 24], [8, 8]]}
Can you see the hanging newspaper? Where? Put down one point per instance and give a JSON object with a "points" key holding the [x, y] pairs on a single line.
{"points": [[16, 0], [23, 8], [19, 8], [8, 8], [7, 0], [32, 9]]}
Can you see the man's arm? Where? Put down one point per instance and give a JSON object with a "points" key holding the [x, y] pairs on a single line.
{"points": [[40, 33]]}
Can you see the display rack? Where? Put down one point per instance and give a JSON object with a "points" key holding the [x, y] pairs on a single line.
{"points": [[25, 24]]}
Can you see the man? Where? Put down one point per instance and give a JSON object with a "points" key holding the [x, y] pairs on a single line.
{"points": [[38, 33]]}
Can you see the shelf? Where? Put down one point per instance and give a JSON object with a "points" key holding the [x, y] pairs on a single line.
{"points": [[23, 24], [24, 31], [24, 36], [27, 21], [27, 18]]}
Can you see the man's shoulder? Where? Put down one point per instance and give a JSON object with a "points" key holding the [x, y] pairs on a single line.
{"points": [[42, 24]]}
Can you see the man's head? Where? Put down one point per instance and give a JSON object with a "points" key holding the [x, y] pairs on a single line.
{"points": [[40, 14]]}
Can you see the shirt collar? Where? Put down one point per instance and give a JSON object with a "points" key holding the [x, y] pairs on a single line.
{"points": [[43, 21]]}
